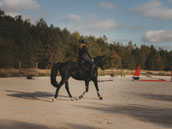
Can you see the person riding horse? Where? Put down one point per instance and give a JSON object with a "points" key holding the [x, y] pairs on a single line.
{"points": [[83, 53], [78, 71]]}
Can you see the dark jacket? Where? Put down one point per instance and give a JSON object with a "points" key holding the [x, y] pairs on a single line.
{"points": [[84, 52]]}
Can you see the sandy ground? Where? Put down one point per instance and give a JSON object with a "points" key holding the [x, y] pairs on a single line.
{"points": [[126, 104]]}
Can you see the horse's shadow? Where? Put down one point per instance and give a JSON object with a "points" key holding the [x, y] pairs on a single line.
{"points": [[38, 95]]}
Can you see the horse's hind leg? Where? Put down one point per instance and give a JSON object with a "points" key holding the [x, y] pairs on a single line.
{"points": [[67, 88], [58, 87]]}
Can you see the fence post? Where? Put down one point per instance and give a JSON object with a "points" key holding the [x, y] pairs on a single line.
{"points": [[19, 68], [102, 73], [122, 70], [171, 73], [37, 70]]}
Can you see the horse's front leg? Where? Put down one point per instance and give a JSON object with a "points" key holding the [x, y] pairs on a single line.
{"points": [[67, 89], [86, 89], [97, 88]]}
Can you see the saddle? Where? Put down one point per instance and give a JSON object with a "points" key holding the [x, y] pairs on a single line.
{"points": [[84, 65]]}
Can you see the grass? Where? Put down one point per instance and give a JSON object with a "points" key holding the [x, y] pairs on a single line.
{"points": [[46, 72], [23, 72]]}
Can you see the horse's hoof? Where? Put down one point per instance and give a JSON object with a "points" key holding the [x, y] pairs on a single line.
{"points": [[80, 97], [53, 99], [101, 98], [75, 98], [72, 99]]}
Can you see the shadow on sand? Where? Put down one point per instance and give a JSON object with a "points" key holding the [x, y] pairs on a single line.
{"points": [[159, 116], [156, 97], [13, 124], [38, 95]]}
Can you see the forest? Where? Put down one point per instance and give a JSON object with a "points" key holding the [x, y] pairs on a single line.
{"points": [[22, 41]]}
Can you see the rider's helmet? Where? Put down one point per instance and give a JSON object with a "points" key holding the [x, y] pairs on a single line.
{"points": [[84, 41]]}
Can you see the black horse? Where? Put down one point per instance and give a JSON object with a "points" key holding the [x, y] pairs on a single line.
{"points": [[78, 71]]}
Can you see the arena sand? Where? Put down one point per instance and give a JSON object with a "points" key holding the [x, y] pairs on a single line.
{"points": [[126, 104]]}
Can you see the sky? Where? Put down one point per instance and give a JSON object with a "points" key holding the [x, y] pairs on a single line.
{"points": [[140, 21]]}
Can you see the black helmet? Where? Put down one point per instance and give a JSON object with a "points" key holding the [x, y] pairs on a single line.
{"points": [[84, 41]]}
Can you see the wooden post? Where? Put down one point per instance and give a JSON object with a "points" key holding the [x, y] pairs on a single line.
{"points": [[102, 73], [112, 73], [171, 73], [122, 71], [37, 70], [19, 68]]}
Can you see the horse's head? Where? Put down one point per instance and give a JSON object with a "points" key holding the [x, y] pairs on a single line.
{"points": [[100, 61]]}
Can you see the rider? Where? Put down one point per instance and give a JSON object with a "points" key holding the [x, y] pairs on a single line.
{"points": [[83, 53]]}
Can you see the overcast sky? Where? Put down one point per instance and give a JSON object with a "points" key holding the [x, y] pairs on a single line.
{"points": [[140, 21]]}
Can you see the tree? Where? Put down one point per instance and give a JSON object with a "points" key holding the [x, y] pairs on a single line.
{"points": [[154, 61], [21, 41], [2, 13]]}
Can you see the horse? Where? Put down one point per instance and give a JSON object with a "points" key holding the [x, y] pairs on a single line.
{"points": [[78, 71]]}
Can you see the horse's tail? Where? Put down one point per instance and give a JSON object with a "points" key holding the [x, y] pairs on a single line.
{"points": [[54, 72]]}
